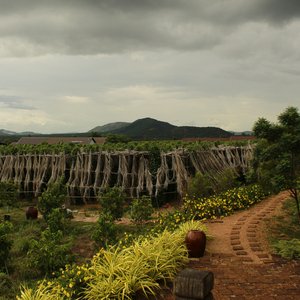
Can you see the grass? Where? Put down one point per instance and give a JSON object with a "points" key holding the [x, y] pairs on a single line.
{"points": [[24, 231], [284, 232]]}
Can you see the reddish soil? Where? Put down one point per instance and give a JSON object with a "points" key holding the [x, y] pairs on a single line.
{"points": [[241, 261]]}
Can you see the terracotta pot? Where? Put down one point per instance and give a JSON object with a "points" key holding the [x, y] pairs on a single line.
{"points": [[31, 213], [195, 241]]}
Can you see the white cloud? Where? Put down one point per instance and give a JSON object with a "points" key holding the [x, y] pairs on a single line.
{"points": [[76, 99]]}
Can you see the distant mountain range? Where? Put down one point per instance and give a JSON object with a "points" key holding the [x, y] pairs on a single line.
{"points": [[150, 129], [5, 132], [142, 129]]}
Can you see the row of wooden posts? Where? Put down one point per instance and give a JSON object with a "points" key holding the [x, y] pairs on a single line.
{"points": [[87, 173]]}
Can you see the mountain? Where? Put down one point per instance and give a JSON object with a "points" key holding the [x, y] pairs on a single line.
{"points": [[4, 132], [7, 132], [149, 129], [109, 127]]}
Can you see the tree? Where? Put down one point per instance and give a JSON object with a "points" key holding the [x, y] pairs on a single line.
{"points": [[277, 155]]}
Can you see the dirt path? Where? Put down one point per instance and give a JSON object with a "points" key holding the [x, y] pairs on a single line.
{"points": [[241, 261]]}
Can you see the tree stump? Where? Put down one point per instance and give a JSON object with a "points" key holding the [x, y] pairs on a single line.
{"points": [[193, 284]]}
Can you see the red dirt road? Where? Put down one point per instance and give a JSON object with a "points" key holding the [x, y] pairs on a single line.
{"points": [[241, 261]]}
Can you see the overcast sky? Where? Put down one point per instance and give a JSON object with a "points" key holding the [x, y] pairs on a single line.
{"points": [[71, 65]]}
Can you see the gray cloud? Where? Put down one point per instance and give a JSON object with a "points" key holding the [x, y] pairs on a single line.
{"points": [[14, 102], [29, 28]]}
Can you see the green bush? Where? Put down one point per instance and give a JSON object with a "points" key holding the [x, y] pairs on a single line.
{"points": [[8, 194], [53, 197], [222, 204], [289, 249], [105, 231], [200, 186], [5, 284], [5, 244], [117, 273], [112, 201], [206, 185], [56, 220], [50, 252], [141, 209]]}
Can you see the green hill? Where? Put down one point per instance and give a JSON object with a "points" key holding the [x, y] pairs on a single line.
{"points": [[109, 127], [151, 129]]}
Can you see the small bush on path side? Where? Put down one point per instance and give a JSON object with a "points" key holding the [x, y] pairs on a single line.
{"points": [[112, 201], [5, 244], [141, 209], [105, 231], [53, 197]]}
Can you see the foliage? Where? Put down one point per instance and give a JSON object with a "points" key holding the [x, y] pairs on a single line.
{"points": [[141, 209], [284, 231], [222, 204], [117, 138], [162, 145], [53, 197], [200, 185], [5, 243], [105, 231], [117, 273], [56, 220], [50, 252], [205, 185], [42, 292], [8, 194], [70, 281], [277, 156], [289, 249], [112, 201], [5, 284]]}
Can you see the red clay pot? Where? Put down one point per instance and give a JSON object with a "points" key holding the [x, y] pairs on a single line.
{"points": [[195, 241], [31, 213]]}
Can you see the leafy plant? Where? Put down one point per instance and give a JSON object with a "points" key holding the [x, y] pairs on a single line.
{"points": [[8, 194], [56, 220], [277, 156], [112, 201], [6, 284], [53, 197], [289, 249], [50, 252], [42, 292], [200, 186], [120, 273], [105, 232], [141, 209], [5, 244]]}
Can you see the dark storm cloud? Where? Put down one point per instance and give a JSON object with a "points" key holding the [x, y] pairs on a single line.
{"points": [[30, 27]]}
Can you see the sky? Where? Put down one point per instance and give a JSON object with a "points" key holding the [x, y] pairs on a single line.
{"points": [[68, 66]]}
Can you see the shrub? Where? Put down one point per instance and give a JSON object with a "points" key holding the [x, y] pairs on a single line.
{"points": [[105, 231], [5, 244], [50, 252], [56, 220], [117, 273], [200, 186], [5, 283], [289, 249], [141, 209], [8, 194], [112, 201], [53, 197], [222, 204]]}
